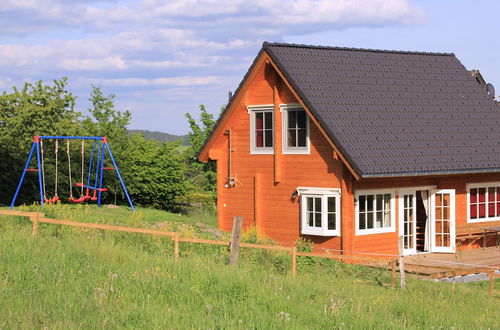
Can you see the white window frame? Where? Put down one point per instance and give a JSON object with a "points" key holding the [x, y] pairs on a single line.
{"points": [[392, 227], [284, 131], [252, 109], [477, 186], [323, 193]]}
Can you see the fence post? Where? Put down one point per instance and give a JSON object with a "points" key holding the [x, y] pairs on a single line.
{"points": [[176, 247], [34, 224], [235, 241], [492, 283], [402, 283], [393, 273], [294, 261]]}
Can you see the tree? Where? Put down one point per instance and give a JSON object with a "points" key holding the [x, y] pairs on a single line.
{"points": [[36, 109], [155, 173], [201, 175]]}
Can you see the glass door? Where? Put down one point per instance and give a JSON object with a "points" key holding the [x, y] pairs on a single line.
{"points": [[443, 220], [407, 221]]}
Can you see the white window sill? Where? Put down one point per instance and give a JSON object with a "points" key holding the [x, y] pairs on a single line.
{"points": [[329, 233], [296, 152], [362, 232], [483, 220], [262, 152]]}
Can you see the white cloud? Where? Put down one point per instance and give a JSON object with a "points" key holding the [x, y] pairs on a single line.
{"points": [[176, 46], [144, 82]]}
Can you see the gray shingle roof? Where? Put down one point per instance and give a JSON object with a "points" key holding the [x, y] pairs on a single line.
{"points": [[396, 113]]}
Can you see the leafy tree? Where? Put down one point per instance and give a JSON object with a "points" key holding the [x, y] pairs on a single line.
{"points": [[155, 173], [201, 175], [36, 109]]}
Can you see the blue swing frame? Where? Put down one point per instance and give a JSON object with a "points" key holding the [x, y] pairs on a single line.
{"points": [[103, 147]]}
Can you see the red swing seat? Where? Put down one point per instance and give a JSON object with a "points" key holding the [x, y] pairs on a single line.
{"points": [[52, 200], [77, 200]]}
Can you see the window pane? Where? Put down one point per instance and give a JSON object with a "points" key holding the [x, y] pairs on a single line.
{"points": [[491, 194], [439, 212], [318, 219], [379, 201], [482, 193], [369, 220], [331, 221], [317, 204], [301, 119], [369, 201], [331, 204], [259, 139], [259, 120], [473, 211], [387, 218], [482, 210], [292, 138], [292, 119], [446, 199], [439, 199], [362, 203], [269, 120], [473, 195], [301, 138], [311, 218], [491, 210], [362, 221], [446, 213], [309, 204], [387, 200], [379, 219], [269, 138]]}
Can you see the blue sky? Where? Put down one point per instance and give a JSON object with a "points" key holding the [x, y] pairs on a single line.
{"points": [[164, 58]]}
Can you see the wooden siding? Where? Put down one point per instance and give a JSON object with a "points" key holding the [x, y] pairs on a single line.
{"points": [[264, 184]]}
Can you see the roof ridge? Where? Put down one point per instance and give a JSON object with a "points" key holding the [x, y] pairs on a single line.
{"points": [[292, 45]]}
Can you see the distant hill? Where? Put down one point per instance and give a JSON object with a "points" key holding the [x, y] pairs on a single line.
{"points": [[160, 136]]}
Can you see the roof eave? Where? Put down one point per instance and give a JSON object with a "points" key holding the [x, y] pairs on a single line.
{"points": [[430, 173]]}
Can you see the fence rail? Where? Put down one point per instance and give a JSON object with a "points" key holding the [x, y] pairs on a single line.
{"points": [[36, 218]]}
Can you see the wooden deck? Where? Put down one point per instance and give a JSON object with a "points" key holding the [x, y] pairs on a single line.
{"points": [[462, 263]]}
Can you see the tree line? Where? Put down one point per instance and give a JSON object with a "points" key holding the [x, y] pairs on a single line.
{"points": [[157, 174]]}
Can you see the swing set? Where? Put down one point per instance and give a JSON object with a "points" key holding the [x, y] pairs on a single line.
{"points": [[91, 189]]}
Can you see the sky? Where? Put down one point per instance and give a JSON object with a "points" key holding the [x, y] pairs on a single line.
{"points": [[164, 58]]}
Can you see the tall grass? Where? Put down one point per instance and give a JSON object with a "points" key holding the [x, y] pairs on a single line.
{"points": [[142, 217], [71, 278]]}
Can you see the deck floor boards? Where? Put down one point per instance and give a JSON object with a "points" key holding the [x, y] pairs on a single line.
{"points": [[461, 263]]}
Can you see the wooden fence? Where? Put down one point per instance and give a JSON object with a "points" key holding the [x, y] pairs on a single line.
{"points": [[36, 218]]}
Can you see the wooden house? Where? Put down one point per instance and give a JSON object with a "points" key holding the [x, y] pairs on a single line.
{"points": [[353, 148]]}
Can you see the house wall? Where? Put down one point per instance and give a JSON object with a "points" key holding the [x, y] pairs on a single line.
{"points": [[387, 243], [265, 183]]}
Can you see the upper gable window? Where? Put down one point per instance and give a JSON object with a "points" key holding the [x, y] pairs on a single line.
{"points": [[261, 129], [295, 129]]}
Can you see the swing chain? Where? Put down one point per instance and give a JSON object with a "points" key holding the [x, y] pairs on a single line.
{"points": [[69, 170], [42, 152]]}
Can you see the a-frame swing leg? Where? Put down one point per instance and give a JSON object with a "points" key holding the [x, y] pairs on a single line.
{"points": [[119, 176], [33, 147], [101, 170], [40, 184]]}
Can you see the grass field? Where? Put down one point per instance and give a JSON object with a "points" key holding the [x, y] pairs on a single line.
{"points": [[73, 278]]}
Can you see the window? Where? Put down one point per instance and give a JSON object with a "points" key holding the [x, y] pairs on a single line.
{"points": [[295, 129], [483, 202], [261, 129], [320, 211], [375, 212]]}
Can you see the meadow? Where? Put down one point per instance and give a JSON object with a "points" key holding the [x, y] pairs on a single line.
{"points": [[67, 278]]}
